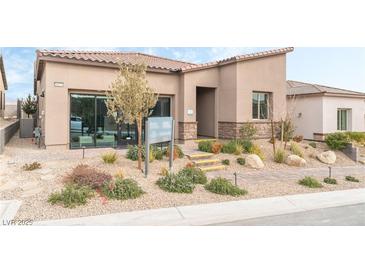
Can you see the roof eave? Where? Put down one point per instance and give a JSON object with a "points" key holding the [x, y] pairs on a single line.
{"points": [[328, 94], [43, 59]]}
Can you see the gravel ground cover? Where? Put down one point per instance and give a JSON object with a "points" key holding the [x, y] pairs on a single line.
{"points": [[34, 187]]}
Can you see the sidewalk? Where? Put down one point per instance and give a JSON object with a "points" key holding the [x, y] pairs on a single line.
{"points": [[205, 214]]}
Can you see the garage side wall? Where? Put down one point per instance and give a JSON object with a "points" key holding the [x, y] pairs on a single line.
{"points": [[307, 115]]}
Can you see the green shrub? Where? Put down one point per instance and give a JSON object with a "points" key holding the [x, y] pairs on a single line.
{"points": [[205, 146], [84, 175], [310, 182], [71, 196], [352, 179], [132, 153], [32, 166], [241, 161], [158, 153], [313, 144], [225, 162], [109, 157], [175, 183], [329, 180], [230, 147], [255, 149], [279, 156], [358, 137], [195, 175], [295, 149], [246, 144], [248, 131], [122, 189], [223, 186], [337, 141]]}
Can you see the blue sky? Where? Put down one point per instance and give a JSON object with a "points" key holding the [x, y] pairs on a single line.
{"points": [[338, 67]]}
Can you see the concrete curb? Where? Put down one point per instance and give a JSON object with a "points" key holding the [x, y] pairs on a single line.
{"points": [[11, 208], [204, 214]]}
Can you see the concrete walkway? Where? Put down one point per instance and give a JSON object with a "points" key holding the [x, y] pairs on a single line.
{"points": [[8, 210], [205, 214], [349, 215]]}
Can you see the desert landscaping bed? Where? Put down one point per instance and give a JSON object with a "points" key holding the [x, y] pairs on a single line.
{"points": [[34, 187]]}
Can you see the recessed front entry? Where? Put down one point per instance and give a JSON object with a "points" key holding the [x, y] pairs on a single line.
{"points": [[90, 126], [205, 111]]}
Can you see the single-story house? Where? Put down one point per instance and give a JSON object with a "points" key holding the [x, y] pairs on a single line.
{"points": [[213, 99], [3, 86], [318, 110]]}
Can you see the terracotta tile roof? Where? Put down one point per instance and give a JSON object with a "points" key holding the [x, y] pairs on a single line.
{"points": [[238, 58], [301, 88], [2, 70], [112, 57]]}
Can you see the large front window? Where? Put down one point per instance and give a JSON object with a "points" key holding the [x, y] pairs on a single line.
{"points": [[343, 119], [260, 105]]}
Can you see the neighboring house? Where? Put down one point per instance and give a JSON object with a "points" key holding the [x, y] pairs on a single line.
{"points": [[213, 99], [318, 110], [3, 86]]}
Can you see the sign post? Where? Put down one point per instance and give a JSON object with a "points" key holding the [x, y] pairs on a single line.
{"points": [[159, 130]]}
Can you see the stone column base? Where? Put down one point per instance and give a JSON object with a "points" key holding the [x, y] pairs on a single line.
{"points": [[231, 130], [188, 130]]}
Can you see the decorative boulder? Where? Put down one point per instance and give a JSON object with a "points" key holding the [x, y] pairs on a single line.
{"points": [[294, 160], [327, 157], [254, 161]]}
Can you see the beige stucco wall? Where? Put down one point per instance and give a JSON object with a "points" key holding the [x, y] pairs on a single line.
{"points": [[263, 74], [233, 84], [227, 108], [307, 115], [357, 113], [88, 79]]}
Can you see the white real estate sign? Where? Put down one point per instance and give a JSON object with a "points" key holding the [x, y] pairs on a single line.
{"points": [[158, 130]]}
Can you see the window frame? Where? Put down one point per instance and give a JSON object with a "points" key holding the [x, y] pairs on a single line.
{"points": [[339, 119], [268, 98]]}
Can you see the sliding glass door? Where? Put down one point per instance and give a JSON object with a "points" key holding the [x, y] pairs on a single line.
{"points": [[90, 126]]}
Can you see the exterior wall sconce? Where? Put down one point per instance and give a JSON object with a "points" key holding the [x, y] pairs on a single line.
{"points": [[299, 115]]}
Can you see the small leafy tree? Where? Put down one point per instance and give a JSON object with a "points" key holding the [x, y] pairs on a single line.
{"points": [[29, 105], [130, 99]]}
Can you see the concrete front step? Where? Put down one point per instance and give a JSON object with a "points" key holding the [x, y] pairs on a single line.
{"points": [[206, 162], [203, 140], [212, 168], [197, 156]]}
